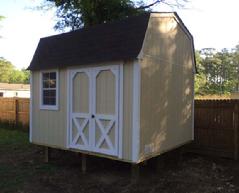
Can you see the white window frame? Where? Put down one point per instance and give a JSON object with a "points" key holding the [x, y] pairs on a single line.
{"points": [[49, 107]]}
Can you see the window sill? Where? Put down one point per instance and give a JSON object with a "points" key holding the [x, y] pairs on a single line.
{"points": [[49, 107]]}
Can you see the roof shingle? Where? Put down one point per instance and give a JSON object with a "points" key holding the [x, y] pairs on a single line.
{"points": [[118, 40]]}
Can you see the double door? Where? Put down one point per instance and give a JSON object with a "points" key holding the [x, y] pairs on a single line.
{"points": [[94, 109]]}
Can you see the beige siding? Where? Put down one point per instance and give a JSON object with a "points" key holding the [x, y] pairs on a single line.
{"points": [[166, 87], [105, 93], [81, 91], [127, 110], [50, 127]]}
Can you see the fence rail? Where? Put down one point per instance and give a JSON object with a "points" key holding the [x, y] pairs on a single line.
{"points": [[14, 111], [216, 127]]}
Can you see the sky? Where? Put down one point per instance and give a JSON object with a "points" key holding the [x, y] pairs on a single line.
{"points": [[213, 23]]}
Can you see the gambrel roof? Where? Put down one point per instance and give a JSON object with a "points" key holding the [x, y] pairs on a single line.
{"points": [[105, 42], [119, 40]]}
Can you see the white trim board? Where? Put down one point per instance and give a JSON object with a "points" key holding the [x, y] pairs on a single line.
{"points": [[68, 98], [136, 112], [193, 104], [121, 110], [30, 120]]}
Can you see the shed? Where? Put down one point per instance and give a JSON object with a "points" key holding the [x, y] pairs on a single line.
{"points": [[122, 90]]}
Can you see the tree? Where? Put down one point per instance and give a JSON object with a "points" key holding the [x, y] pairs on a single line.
{"points": [[74, 14], [236, 65], [1, 18], [217, 71], [6, 69], [200, 77], [9, 74]]}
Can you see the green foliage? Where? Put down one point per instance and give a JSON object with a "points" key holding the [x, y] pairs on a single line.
{"points": [[9, 74], [6, 69], [218, 71], [1, 18], [73, 14]]}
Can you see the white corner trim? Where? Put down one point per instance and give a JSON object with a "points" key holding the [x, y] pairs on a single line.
{"points": [[30, 121], [68, 98], [50, 107], [193, 105], [136, 112], [121, 104]]}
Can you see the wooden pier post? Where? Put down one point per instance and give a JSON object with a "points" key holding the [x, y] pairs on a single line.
{"points": [[46, 154], [134, 173], [83, 163]]}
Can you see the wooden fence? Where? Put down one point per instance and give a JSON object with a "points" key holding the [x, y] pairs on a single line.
{"points": [[216, 130], [216, 127], [14, 111]]}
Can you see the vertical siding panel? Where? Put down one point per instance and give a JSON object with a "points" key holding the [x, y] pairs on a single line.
{"points": [[166, 87], [127, 110], [49, 127]]}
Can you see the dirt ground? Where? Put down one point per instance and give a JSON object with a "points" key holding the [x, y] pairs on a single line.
{"points": [[22, 171]]}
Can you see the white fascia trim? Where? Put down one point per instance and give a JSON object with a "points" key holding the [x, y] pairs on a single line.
{"points": [[136, 112], [121, 106], [30, 121], [50, 107]]}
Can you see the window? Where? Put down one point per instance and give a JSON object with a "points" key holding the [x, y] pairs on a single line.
{"points": [[1, 94], [49, 90]]}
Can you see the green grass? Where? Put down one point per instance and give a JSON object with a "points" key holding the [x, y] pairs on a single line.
{"points": [[19, 161], [13, 139]]}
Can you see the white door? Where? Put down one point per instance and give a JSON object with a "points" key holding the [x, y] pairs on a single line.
{"points": [[80, 109], [94, 109]]}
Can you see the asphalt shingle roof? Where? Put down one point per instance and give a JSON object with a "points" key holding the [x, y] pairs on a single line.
{"points": [[120, 40]]}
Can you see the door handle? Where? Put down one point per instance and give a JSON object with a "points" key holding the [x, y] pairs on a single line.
{"points": [[92, 116]]}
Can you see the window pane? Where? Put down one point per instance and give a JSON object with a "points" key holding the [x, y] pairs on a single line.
{"points": [[46, 93], [52, 83], [45, 75], [49, 97], [52, 93], [53, 75], [45, 100], [45, 84], [49, 80], [49, 101], [52, 101]]}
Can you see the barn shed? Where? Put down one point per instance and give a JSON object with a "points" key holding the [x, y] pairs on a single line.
{"points": [[122, 90]]}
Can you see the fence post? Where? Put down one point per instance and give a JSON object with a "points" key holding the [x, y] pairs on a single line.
{"points": [[235, 127], [16, 111]]}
